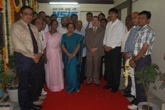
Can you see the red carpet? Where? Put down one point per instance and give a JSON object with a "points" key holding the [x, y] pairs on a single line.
{"points": [[89, 98]]}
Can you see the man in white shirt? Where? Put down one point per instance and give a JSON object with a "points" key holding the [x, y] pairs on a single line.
{"points": [[63, 29], [39, 78], [115, 31], [88, 24], [42, 15]]}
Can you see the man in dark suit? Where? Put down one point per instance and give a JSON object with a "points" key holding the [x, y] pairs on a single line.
{"points": [[94, 44]]}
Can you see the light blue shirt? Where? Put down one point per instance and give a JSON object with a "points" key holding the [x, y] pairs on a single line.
{"points": [[130, 40], [82, 32]]}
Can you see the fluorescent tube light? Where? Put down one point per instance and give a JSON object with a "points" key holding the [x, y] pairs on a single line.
{"points": [[64, 3]]}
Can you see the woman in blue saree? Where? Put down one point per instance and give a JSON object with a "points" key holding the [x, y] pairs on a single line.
{"points": [[71, 45]]}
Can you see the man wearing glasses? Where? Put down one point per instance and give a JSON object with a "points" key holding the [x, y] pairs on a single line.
{"points": [[27, 52]]}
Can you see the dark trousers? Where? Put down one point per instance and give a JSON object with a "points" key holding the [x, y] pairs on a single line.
{"points": [[39, 80], [83, 69], [140, 92], [113, 67], [129, 83], [26, 69], [101, 69]]}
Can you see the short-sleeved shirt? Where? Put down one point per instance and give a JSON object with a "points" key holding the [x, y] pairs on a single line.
{"points": [[144, 35]]}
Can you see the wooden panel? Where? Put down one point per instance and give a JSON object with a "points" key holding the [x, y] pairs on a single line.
{"points": [[80, 1]]}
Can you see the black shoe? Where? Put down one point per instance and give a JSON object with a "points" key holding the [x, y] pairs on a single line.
{"points": [[127, 92], [133, 101], [114, 90], [107, 87], [37, 106], [123, 89], [128, 95]]}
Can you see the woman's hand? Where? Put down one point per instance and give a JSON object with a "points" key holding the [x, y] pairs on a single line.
{"points": [[70, 56]]}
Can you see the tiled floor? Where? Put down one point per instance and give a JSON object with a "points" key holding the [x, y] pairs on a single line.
{"points": [[153, 98]]}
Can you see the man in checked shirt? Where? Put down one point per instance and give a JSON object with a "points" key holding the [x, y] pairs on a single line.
{"points": [[142, 49]]}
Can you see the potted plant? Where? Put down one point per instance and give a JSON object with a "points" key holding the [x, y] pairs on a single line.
{"points": [[13, 88], [5, 81], [146, 76]]}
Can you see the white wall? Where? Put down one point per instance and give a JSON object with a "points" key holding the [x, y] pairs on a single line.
{"points": [[84, 8], [156, 7], [123, 14]]}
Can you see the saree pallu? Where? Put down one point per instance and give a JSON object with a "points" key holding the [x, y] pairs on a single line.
{"points": [[72, 66]]}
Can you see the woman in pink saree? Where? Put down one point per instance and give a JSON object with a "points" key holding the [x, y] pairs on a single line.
{"points": [[53, 59]]}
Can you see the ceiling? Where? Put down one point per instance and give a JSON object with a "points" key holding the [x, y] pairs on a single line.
{"points": [[80, 1]]}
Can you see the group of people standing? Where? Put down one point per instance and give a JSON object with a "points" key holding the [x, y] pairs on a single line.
{"points": [[45, 51], [137, 49]]}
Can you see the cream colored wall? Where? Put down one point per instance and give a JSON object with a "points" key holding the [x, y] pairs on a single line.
{"points": [[84, 8], [123, 14], [156, 7], [117, 2]]}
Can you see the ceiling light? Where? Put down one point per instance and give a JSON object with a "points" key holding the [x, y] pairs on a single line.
{"points": [[64, 3]]}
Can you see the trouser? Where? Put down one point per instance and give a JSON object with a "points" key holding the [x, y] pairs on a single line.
{"points": [[93, 69], [133, 88], [113, 67], [82, 74], [26, 69], [39, 80], [140, 92], [101, 69]]}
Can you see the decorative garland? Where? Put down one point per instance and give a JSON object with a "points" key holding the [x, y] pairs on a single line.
{"points": [[16, 5], [4, 57]]}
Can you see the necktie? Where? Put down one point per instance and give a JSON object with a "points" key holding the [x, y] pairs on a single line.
{"points": [[35, 47], [94, 30]]}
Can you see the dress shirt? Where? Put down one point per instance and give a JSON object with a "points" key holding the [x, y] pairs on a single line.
{"points": [[46, 28], [144, 35], [114, 34], [82, 32], [124, 41], [130, 40], [62, 30], [86, 24], [43, 40], [21, 38]]}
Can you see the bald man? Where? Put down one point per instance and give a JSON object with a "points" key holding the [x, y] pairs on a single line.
{"points": [[128, 51], [81, 31]]}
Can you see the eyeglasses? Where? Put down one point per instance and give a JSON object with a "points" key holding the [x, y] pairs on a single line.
{"points": [[27, 14]]}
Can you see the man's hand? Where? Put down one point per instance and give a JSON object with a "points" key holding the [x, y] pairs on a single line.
{"points": [[37, 57], [127, 56], [106, 48], [45, 60], [123, 54], [132, 63], [93, 51]]}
